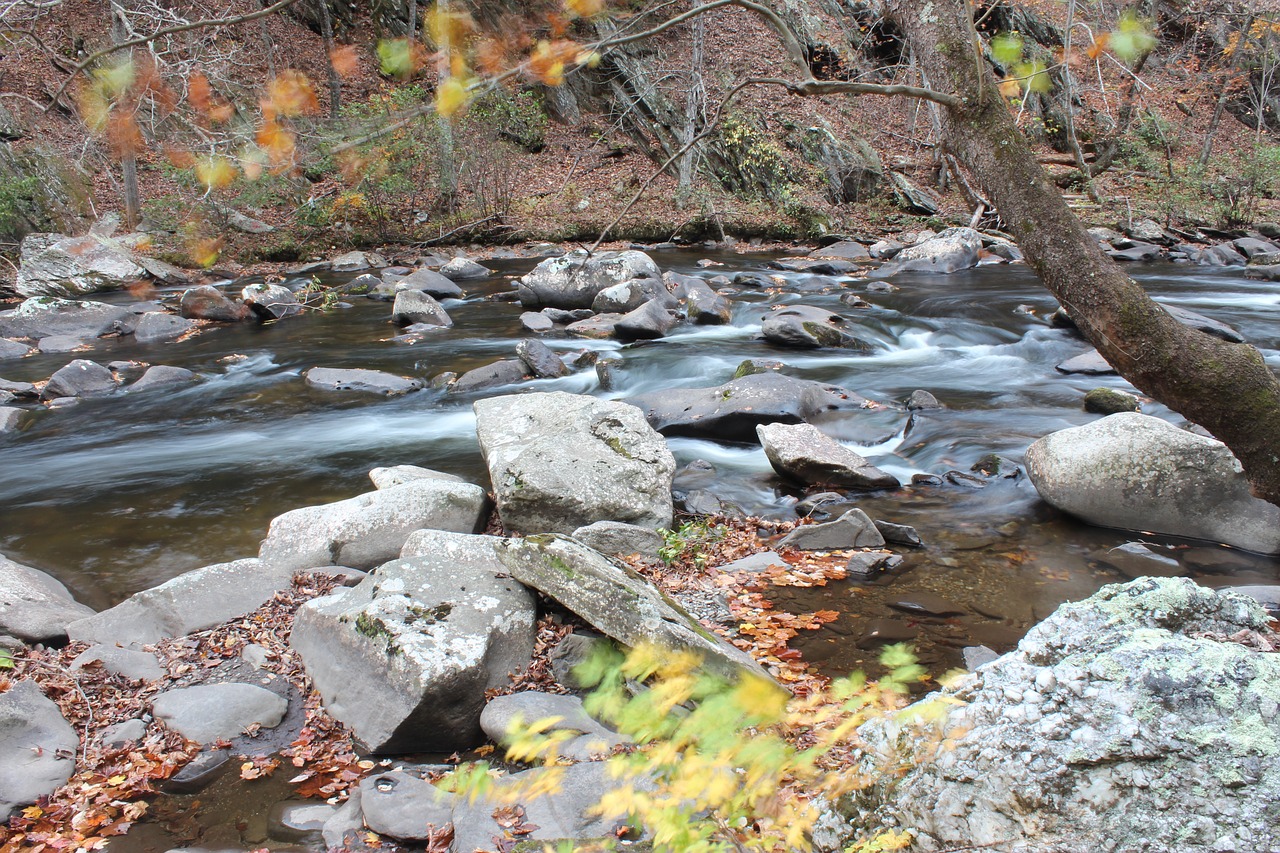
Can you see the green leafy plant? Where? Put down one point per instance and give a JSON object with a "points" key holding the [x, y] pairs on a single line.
{"points": [[689, 541]]}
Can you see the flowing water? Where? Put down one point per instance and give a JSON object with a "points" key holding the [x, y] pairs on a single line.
{"points": [[119, 493]]}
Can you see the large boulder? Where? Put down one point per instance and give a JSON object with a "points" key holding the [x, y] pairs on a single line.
{"points": [[156, 326], [427, 281], [365, 531], [805, 453], [193, 601], [1136, 472], [404, 658], [54, 265], [417, 306], [37, 747], [732, 411], [206, 302], [954, 249], [559, 461], [616, 601], [35, 607], [80, 378], [270, 301], [806, 326], [46, 316], [1143, 718], [573, 280]]}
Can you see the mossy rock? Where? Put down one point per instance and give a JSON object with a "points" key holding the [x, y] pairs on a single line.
{"points": [[1106, 401]]}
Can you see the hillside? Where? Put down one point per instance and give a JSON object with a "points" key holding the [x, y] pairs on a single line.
{"points": [[529, 162]]}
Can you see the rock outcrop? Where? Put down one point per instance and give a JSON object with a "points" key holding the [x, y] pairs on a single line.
{"points": [[573, 280]]}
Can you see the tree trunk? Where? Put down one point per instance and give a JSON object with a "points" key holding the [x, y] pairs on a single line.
{"points": [[335, 82], [695, 102], [1226, 388]]}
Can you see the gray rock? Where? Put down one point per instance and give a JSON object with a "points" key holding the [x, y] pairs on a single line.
{"points": [[13, 349], [759, 562], [1222, 255], [340, 831], [57, 344], [37, 747], [976, 656], [44, 316], [899, 534], [211, 712], [883, 250], [574, 279], [854, 529], [506, 372], [922, 400], [415, 306], [1147, 231], [162, 375], [35, 607], [1265, 272], [244, 222], [537, 322], [123, 734], [155, 327], [731, 412], [1136, 560], [1251, 246], [808, 327], [1137, 723], [627, 295], [80, 378], [1090, 363], [804, 452], [704, 306], [10, 417], [365, 531], [953, 249], [506, 717], [367, 381], [270, 301], [540, 359], [54, 265], [813, 266], [405, 656], [356, 261], [572, 651], [397, 475], [845, 250], [865, 565], [432, 283], [206, 302], [1136, 253], [1205, 324], [191, 602], [464, 269], [559, 461], [618, 539], [1136, 472], [599, 327], [614, 600], [405, 806], [651, 320], [1268, 596], [129, 663]]}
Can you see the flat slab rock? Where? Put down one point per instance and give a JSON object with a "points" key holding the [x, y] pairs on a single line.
{"points": [[211, 712], [34, 606], [37, 747], [355, 379], [616, 601]]}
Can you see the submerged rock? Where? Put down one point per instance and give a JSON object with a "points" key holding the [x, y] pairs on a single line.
{"points": [[1138, 723], [559, 461], [353, 379], [1136, 472]]}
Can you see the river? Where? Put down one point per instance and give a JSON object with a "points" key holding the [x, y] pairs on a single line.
{"points": [[119, 493]]}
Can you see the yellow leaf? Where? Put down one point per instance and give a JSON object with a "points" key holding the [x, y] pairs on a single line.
{"points": [[584, 8], [32, 812], [215, 172], [450, 96], [117, 780], [114, 80]]}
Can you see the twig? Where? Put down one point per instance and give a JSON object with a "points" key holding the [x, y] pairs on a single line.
{"points": [[449, 234], [167, 31]]}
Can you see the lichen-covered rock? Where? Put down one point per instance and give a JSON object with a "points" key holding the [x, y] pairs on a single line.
{"points": [[1136, 472], [954, 249], [808, 327], [54, 265], [573, 280], [367, 530], [1108, 401], [1140, 719], [559, 461], [616, 601], [404, 657], [270, 301], [46, 316]]}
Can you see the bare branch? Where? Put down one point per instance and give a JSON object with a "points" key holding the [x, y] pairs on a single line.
{"points": [[811, 87], [168, 31]]}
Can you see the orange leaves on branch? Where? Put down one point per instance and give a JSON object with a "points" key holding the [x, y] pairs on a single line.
{"points": [[200, 96], [278, 143], [550, 58], [123, 134], [215, 172], [451, 95], [204, 251], [290, 93], [1099, 46], [401, 58], [584, 8], [345, 60], [449, 29]]}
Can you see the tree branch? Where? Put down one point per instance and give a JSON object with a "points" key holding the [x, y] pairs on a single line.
{"points": [[811, 87], [167, 31]]}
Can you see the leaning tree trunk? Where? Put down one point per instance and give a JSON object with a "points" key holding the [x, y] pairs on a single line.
{"points": [[1226, 388]]}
